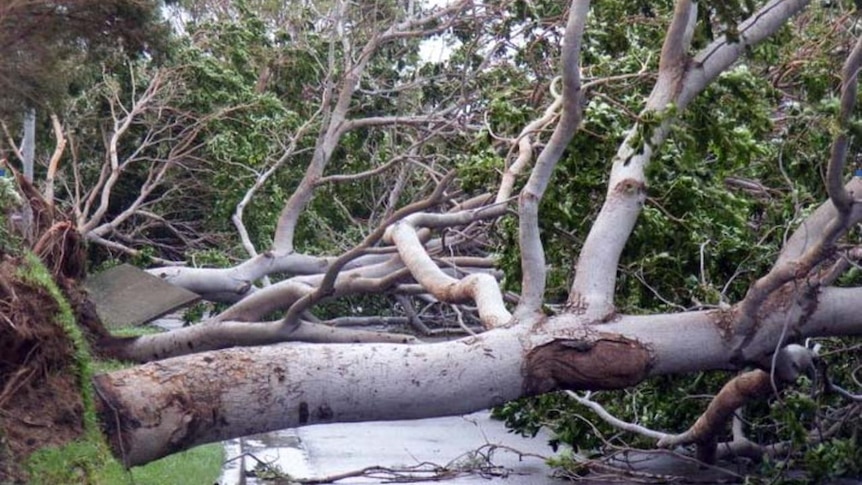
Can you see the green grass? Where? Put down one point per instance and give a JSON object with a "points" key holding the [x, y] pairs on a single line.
{"points": [[201, 465], [88, 460], [135, 331]]}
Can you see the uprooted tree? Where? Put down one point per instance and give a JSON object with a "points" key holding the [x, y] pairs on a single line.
{"points": [[226, 376]]}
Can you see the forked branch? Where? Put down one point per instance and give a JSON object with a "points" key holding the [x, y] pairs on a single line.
{"points": [[336, 107], [680, 79]]}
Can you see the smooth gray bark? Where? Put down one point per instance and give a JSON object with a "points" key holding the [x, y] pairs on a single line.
{"points": [[173, 404]]}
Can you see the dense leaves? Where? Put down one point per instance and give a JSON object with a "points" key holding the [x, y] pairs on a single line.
{"points": [[742, 164]]}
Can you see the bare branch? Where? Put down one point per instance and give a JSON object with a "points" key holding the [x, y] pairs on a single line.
{"points": [[352, 177], [481, 288], [524, 142], [16, 150], [830, 221], [741, 389], [335, 120], [595, 275], [613, 420], [120, 126], [226, 334], [722, 53], [121, 248], [790, 362], [812, 228], [843, 200], [59, 148], [532, 252], [415, 120], [327, 285], [289, 151]]}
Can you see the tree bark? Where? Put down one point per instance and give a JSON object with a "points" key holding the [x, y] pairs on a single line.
{"points": [[167, 406], [163, 407]]}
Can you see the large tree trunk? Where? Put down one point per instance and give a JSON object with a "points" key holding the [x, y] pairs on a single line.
{"points": [[163, 407]]}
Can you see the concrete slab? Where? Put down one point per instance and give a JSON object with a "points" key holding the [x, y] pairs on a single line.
{"points": [[325, 450], [125, 295]]}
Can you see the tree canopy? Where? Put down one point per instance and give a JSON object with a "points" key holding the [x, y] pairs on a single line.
{"points": [[48, 46]]}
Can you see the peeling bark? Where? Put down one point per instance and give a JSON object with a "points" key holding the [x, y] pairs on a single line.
{"points": [[605, 361]]}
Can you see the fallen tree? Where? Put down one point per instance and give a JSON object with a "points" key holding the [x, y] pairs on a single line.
{"points": [[169, 405], [215, 380]]}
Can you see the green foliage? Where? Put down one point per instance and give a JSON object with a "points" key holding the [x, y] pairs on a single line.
{"points": [[144, 257], [194, 313], [208, 258], [834, 458], [136, 331], [222, 65], [10, 199], [42, 38], [702, 237], [270, 472], [662, 403]]}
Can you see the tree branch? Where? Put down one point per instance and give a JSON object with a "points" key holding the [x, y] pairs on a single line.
{"points": [[831, 220], [120, 126], [59, 148], [613, 420], [327, 285], [596, 271], [261, 179], [840, 197], [481, 288], [337, 123], [532, 252], [756, 384], [679, 81]]}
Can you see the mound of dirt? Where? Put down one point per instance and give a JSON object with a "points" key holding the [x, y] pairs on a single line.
{"points": [[40, 401], [40, 388]]}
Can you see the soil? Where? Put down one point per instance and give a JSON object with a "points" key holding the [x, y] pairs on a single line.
{"points": [[40, 388], [40, 397]]}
